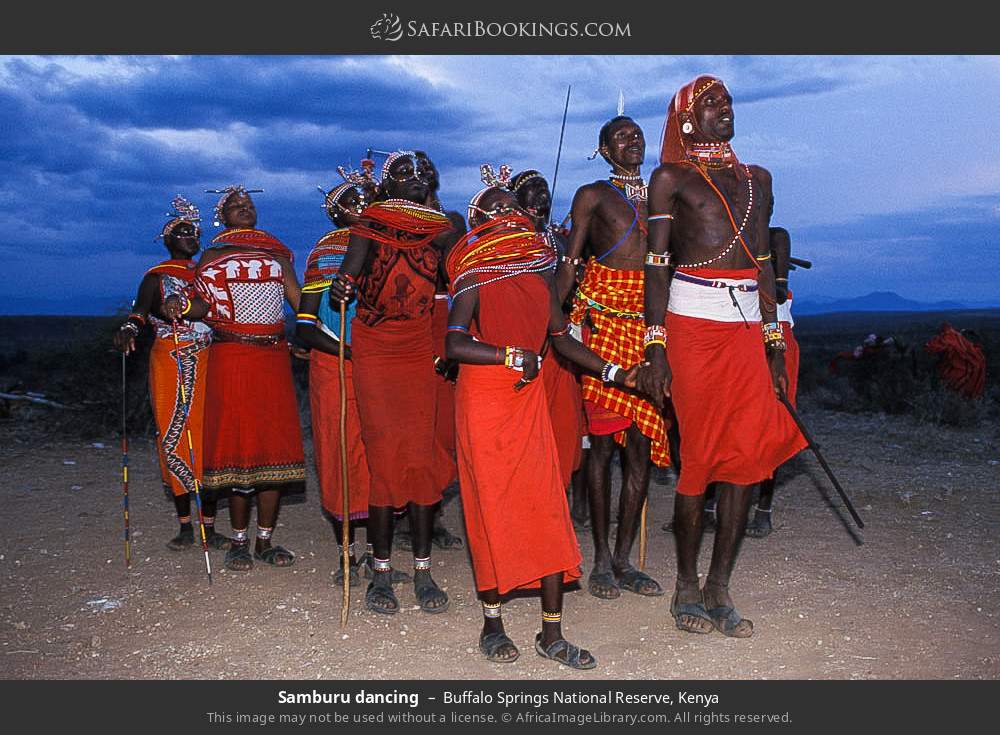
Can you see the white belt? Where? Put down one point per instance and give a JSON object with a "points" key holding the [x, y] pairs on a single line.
{"points": [[715, 304]]}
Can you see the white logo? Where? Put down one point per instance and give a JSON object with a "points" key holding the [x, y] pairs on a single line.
{"points": [[387, 28]]}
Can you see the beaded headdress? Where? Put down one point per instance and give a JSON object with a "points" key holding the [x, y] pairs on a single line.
{"points": [[226, 193], [524, 177], [395, 156], [184, 211], [493, 180], [360, 181]]}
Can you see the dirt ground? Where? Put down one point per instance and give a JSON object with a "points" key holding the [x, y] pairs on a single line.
{"points": [[917, 599]]}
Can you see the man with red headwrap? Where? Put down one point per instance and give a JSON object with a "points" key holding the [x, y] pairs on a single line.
{"points": [[713, 340]]}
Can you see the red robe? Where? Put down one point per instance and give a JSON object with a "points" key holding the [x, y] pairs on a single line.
{"points": [[513, 493]]}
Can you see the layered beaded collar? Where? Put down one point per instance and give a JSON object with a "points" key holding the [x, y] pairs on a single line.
{"points": [[711, 155]]}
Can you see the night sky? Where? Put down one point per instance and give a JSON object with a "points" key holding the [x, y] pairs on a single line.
{"points": [[886, 169]]}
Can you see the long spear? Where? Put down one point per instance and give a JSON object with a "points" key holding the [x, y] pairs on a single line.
{"points": [[346, 522], [187, 430], [815, 449], [562, 133], [128, 544]]}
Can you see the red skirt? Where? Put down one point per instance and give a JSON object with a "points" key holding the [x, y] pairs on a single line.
{"points": [[732, 426], [252, 433], [444, 417], [324, 401], [513, 495], [791, 362], [562, 390], [394, 381]]}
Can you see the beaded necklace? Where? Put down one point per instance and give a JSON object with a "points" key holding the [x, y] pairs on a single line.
{"points": [[489, 249], [739, 230]]}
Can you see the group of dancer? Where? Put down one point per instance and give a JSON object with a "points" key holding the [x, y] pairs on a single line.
{"points": [[492, 348]]}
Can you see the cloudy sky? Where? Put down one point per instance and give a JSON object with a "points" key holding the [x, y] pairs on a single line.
{"points": [[886, 169]]}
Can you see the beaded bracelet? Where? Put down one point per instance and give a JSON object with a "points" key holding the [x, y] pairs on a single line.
{"points": [[781, 280], [139, 318], [763, 257], [655, 335], [567, 259], [654, 217], [609, 371], [774, 337], [457, 328], [130, 327], [513, 357], [657, 260], [306, 318], [561, 332], [187, 305]]}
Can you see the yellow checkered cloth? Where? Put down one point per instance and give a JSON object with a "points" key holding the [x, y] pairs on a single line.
{"points": [[610, 302]]}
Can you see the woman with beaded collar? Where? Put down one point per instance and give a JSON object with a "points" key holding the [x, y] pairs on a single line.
{"points": [[392, 266], [165, 300], [513, 492], [253, 441]]}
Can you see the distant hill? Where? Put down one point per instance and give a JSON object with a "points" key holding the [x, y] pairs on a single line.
{"points": [[876, 301]]}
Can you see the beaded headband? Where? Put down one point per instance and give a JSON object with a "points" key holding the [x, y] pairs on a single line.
{"points": [[184, 211], [226, 194], [525, 177], [395, 156]]}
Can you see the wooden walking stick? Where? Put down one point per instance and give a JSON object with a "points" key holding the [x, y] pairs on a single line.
{"points": [[346, 523], [128, 543], [187, 430], [642, 535]]}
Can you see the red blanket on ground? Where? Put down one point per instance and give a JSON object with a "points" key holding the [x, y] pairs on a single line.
{"points": [[513, 495], [324, 401], [252, 434], [394, 381], [962, 364]]}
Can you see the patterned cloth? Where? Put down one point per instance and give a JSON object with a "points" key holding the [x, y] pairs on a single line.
{"points": [[245, 291], [610, 302], [177, 279]]}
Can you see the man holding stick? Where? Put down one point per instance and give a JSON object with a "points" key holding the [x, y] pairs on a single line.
{"points": [[721, 356]]}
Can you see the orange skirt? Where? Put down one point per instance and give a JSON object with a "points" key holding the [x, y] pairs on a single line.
{"points": [[252, 433], [394, 381], [172, 423], [732, 426], [513, 496], [324, 401]]}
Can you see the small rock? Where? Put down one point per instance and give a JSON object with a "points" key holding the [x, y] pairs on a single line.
{"points": [[76, 487], [99, 445], [69, 461]]}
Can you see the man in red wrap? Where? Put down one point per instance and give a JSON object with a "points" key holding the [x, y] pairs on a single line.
{"points": [[513, 491], [253, 441], [392, 265], [609, 222], [711, 213]]}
